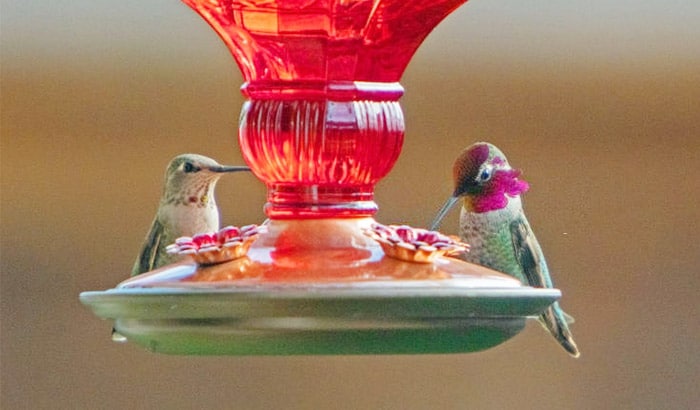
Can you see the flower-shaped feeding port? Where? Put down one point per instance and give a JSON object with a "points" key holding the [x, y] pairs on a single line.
{"points": [[414, 244], [227, 244], [320, 127]]}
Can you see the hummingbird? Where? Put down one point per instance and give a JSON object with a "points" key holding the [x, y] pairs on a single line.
{"points": [[493, 223], [187, 207]]}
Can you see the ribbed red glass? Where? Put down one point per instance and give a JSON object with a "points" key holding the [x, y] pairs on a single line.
{"points": [[322, 123]]}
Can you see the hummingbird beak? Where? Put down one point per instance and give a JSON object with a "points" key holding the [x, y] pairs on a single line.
{"points": [[451, 201], [227, 168]]}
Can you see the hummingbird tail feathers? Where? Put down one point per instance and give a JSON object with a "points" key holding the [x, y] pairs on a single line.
{"points": [[555, 321]]}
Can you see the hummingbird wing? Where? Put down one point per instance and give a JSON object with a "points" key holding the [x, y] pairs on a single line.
{"points": [[529, 255], [146, 260]]}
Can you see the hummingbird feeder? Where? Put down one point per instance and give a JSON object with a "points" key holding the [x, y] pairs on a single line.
{"points": [[320, 127]]}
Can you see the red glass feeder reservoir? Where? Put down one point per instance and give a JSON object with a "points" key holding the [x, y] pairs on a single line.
{"points": [[321, 126]]}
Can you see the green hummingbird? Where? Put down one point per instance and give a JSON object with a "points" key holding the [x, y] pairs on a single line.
{"points": [[187, 206], [493, 223]]}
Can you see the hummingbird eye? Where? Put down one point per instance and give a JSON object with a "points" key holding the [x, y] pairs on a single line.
{"points": [[189, 167], [484, 175]]}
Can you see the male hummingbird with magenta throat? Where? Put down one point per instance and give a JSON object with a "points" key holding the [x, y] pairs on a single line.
{"points": [[493, 223], [187, 207]]}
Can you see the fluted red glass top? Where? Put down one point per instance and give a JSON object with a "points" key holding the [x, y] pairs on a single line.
{"points": [[323, 40], [322, 124]]}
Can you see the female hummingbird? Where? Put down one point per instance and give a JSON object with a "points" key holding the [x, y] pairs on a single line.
{"points": [[493, 223], [187, 207]]}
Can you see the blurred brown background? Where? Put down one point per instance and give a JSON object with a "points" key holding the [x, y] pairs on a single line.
{"points": [[598, 103]]}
